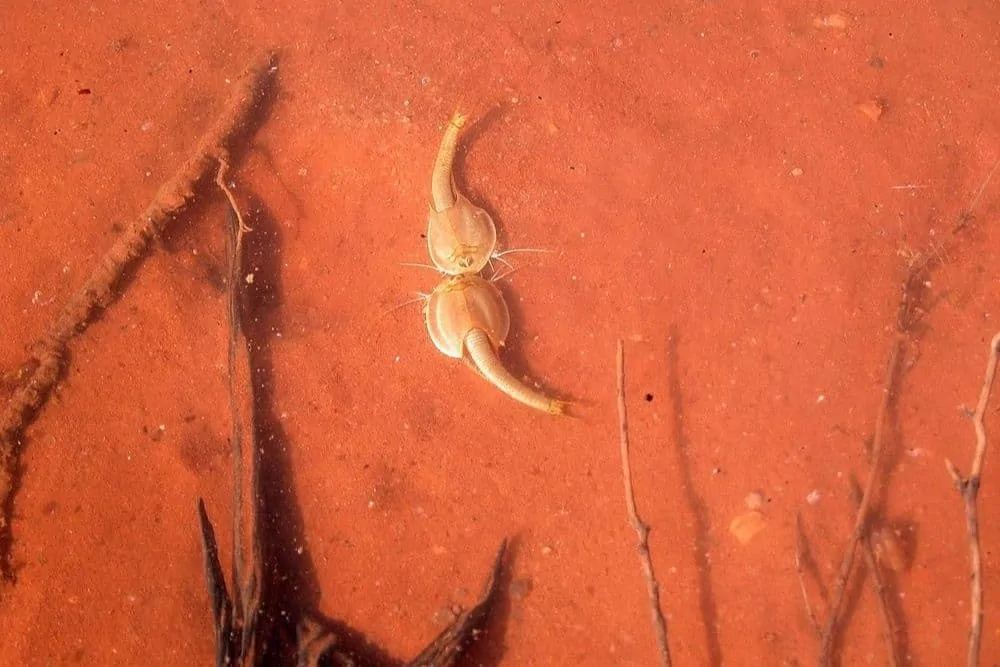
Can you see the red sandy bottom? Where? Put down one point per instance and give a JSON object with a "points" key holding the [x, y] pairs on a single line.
{"points": [[736, 193]]}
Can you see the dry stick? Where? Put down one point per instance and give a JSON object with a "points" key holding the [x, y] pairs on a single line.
{"points": [[800, 557], [861, 520], [907, 314], [641, 529], [888, 631], [968, 488], [48, 354], [247, 554]]}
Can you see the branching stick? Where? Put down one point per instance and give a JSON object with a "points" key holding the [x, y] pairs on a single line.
{"points": [[861, 518], [968, 488]]}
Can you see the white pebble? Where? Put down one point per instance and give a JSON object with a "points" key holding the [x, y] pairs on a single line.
{"points": [[754, 500]]}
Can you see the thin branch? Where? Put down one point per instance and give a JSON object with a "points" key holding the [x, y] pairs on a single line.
{"points": [[800, 558], [641, 529], [968, 488], [861, 519], [888, 630], [239, 633], [247, 550]]}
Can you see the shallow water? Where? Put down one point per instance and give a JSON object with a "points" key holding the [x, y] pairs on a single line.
{"points": [[716, 191]]}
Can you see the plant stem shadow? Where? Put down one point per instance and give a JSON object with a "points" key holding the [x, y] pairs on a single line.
{"points": [[696, 504]]}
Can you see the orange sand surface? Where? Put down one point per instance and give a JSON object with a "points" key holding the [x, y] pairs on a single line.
{"points": [[735, 190]]}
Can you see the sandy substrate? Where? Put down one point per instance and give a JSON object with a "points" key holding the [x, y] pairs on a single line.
{"points": [[736, 192]]}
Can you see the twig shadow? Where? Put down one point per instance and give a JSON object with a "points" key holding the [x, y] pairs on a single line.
{"points": [[852, 599], [696, 504], [290, 588], [894, 602], [490, 649]]}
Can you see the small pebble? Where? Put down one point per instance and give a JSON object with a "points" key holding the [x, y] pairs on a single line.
{"points": [[796, 172], [813, 497], [47, 96], [834, 21], [754, 500], [445, 616], [747, 525], [872, 108]]}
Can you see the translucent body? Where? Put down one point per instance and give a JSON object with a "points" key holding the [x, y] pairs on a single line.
{"points": [[460, 304], [461, 237], [468, 318]]}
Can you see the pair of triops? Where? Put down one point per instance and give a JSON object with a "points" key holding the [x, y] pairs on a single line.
{"points": [[466, 315]]}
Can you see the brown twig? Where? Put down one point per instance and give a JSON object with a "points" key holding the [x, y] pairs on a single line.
{"points": [[908, 315], [968, 488], [48, 354], [641, 529], [800, 558], [240, 637], [888, 631], [861, 519]]}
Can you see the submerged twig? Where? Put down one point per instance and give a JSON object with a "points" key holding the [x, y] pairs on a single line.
{"points": [[800, 558], [968, 488], [222, 603], [236, 617], [48, 354], [641, 529], [861, 519], [878, 584]]}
